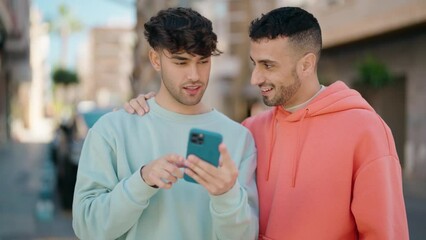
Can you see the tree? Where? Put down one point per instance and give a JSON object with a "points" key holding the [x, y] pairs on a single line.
{"points": [[65, 77], [65, 25], [372, 72]]}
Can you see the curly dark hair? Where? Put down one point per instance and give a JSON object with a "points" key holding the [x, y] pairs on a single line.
{"points": [[300, 26], [181, 29]]}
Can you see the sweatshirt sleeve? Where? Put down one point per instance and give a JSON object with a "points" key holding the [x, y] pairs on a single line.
{"points": [[105, 207], [235, 213], [378, 204]]}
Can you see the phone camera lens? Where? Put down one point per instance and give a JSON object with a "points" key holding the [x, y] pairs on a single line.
{"points": [[197, 138]]}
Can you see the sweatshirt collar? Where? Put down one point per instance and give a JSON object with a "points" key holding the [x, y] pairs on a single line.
{"points": [[304, 104], [177, 117]]}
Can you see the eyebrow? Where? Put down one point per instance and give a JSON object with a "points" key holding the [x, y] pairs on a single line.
{"points": [[263, 60], [178, 57]]}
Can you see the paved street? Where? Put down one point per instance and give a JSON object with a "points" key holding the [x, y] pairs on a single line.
{"points": [[21, 170], [415, 201], [23, 165]]}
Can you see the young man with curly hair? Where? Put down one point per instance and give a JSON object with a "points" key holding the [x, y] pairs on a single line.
{"points": [[129, 182]]}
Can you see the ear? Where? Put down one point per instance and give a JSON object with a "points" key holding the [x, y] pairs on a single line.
{"points": [[154, 58], [307, 65]]}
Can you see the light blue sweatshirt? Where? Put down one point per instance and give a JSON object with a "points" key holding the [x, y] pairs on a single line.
{"points": [[111, 201]]}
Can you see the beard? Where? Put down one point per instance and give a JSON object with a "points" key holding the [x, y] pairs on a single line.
{"points": [[283, 93], [176, 92]]}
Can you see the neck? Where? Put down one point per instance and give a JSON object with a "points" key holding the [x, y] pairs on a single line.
{"points": [[306, 94], [302, 105], [173, 105]]}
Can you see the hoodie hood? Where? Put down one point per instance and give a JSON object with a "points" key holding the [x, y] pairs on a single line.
{"points": [[335, 98]]}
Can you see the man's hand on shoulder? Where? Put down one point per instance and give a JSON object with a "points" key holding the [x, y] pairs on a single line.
{"points": [[139, 104]]}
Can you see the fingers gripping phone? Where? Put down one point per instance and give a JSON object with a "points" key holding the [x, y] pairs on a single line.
{"points": [[205, 145]]}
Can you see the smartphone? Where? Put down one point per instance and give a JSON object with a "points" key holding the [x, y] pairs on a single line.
{"points": [[205, 145]]}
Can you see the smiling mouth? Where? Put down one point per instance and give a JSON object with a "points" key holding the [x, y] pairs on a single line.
{"points": [[192, 89], [265, 90]]}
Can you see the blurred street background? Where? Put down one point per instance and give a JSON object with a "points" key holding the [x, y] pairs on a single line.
{"points": [[64, 63]]}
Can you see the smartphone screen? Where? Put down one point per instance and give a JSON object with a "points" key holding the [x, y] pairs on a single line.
{"points": [[205, 145]]}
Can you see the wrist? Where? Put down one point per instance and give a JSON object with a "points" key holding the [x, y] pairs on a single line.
{"points": [[143, 179], [228, 200]]}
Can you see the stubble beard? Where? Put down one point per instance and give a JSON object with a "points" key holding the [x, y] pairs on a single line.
{"points": [[283, 93], [179, 96]]}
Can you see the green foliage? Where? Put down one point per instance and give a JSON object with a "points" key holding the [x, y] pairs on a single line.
{"points": [[372, 72], [66, 22], [65, 77]]}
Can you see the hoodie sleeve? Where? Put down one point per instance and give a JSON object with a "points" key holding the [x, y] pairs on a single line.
{"points": [[378, 203], [235, 213], [105, 207]]}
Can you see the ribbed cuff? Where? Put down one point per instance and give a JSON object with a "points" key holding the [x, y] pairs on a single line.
{"points": [[137, 189], [227, 201]]}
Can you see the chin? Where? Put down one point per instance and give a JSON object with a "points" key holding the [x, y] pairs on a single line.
{"points": [[191, 102], [269, 102]]}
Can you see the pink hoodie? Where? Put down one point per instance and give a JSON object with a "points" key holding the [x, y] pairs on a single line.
{"points": [[328, 171]]}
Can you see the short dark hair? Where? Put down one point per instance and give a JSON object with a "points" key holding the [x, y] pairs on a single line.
{"points": [[181, 29], [300, 26]]}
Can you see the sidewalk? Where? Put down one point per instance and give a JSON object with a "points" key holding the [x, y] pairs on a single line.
{"points": [[415, 204], [21, 168]]}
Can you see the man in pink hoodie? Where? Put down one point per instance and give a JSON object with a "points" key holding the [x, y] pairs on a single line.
{"points": [[327, 163]]}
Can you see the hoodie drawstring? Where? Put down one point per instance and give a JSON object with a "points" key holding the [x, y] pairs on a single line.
{"points": [[298, 149], [272, 145]]}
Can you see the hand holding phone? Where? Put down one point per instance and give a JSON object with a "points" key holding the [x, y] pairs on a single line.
{"points": [[205, 145], [163, 172]]}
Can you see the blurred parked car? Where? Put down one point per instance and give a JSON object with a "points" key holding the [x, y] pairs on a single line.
{"points": [[66, 148]]}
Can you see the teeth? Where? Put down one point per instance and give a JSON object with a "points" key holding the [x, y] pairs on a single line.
{"points": [[192, 87], [265, 89]]}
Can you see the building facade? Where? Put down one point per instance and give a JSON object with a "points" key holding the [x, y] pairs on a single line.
{"points": [[105, 66], [15, 71], [394, 33]]}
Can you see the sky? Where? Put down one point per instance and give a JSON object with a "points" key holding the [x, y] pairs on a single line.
{"points": [[91, 13]]}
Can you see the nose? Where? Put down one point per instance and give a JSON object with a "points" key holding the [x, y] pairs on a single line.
{"points": [[193, 72], [256, 77]]}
